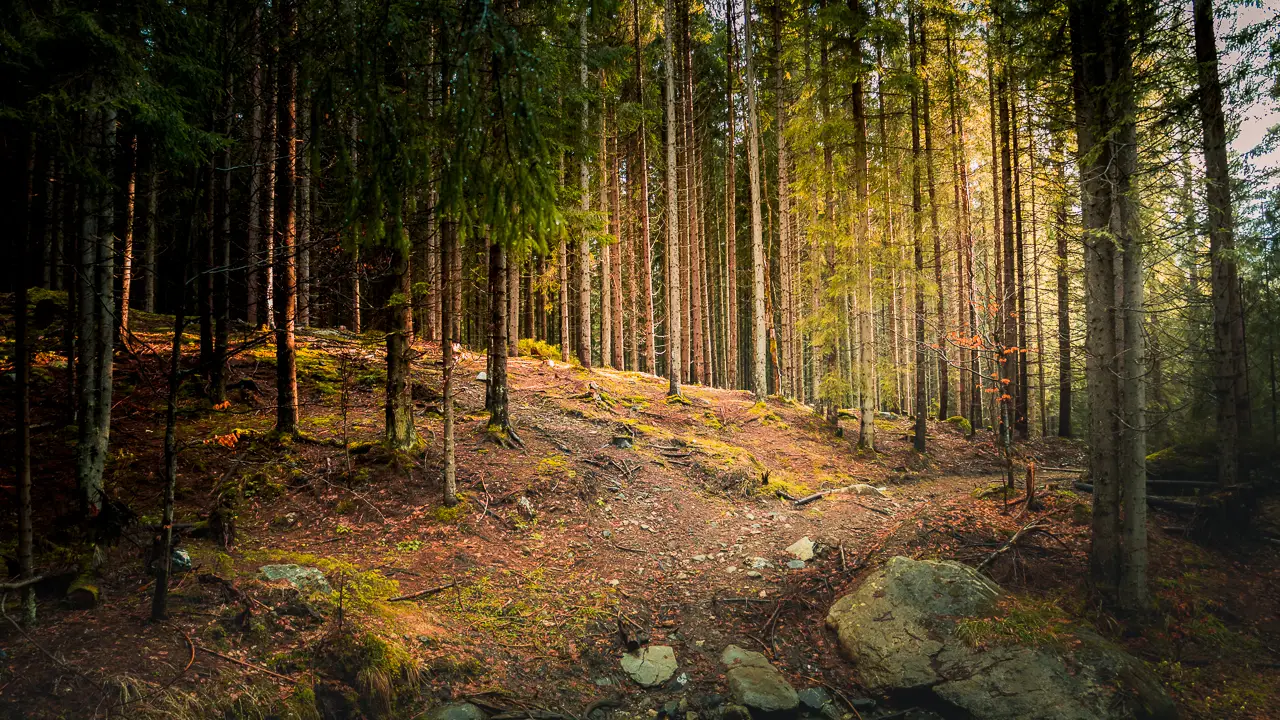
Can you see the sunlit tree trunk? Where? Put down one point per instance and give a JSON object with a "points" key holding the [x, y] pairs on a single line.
{"points": [[642, 201], [674, 353], [926, 108], [917, 236], [731, 204], [583, 266]]}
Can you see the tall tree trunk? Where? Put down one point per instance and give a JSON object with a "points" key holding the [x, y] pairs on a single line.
{"points": [[865, 269], [731, 204], [917, 236], [1007, 346], [1233, 411], [306, 128], [400, 431], [353, 137], [448, 330], [1021, 397], [674, 370], [96, 322], [1064, 300], [615, 270], [784, 207], [160, 596], [584, 178], [129, 157], [21, 166], [286, 256], [944, 366], [606, 246], [697, 365], [759, 383], [257, 174], [496, 395], [222, 248], [270, 190]]}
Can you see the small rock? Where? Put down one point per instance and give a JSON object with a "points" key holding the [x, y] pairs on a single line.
{"points": [[652, 665], [699, 558], [603, 681], [801, 549], [482, 376], [526, 507], [456, 711], [759, 563], [814, 698], [754, 574], [735, 712], [756, 684], [606, 534], [622, 442], [795, 564], [670, 708], [731, 569], [179, 561]]}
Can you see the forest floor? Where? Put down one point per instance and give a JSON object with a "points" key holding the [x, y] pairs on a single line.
{"points": [[621, 510]]}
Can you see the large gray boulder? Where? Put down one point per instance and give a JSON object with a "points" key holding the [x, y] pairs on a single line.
{"points": [[757, 685], [898, 628]]}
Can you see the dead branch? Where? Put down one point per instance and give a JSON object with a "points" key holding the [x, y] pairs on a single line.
{"points": [[423, 593], [1034, 525], [249, 665]]}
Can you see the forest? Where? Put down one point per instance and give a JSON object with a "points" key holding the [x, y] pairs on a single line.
{"points": [[628, 360]]}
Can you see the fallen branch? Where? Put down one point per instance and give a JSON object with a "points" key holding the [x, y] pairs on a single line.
{"points": [[423, 593], [823, 493], [1029, 527], [630, 549], [249, 665], [886, 513], [18, 585]]}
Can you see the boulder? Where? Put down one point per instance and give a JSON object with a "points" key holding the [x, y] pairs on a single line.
{"points": [[755, 684], [456, 711], [651, 665], [302, 577], [898, 628]]}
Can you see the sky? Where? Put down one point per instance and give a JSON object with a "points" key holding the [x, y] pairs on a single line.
{"points": [[1257, 119]]}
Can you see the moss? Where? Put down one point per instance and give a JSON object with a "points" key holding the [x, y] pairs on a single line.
{"points": [[373, 378], [709, 419], [449, 515], [539, 349], [345, 507], [779, 482], [961, 423], [1018, 621]]}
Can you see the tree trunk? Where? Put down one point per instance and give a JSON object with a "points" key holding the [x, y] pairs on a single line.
{"points": [[759, 384], [21, 166], [286, 257], [615, 269], [606, 248], [864, 285], [448, 326], [400, 431], [222, 257], [129, 151], [1007, 346], [257, 178], [731, 206], [674, 353], [1228, 324], [307, 127], [1064, 303], [944, 367], [584, 179], [917, 236], [1022, 396]]}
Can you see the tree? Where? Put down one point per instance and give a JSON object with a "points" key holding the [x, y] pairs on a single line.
{"points": [[1233, 410], [287, 227], [674, 369], [759, 383]]}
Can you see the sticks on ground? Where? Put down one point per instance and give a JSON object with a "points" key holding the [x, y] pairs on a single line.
{"points": [[423, 593]]}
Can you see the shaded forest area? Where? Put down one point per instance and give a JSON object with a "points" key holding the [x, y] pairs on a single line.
{"points": [[529, 306]]}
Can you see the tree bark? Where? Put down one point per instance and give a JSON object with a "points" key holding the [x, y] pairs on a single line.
{"points": [[400, 431], [584, 178], [759, 383], [674, 353], [1232, 401], [864, 266], [286, 256], [257, 175], [731, 205], [917, 236], [926, 108]]}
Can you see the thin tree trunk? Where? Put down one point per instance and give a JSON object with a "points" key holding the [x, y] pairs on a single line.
{"points": [[731, 206], [759, 384], [286, 257], [306, 128], [584, 178], [864, 285], [22, 166], [257, 177], [496, 395], [448, 330], [400, 431], [674, 370], [616, 262], [126, 220], [1064, 301], [944, 366], [921, 388], [606, 247]]}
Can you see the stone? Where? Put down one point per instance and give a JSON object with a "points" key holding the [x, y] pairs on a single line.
{"points": [[302, 577], [622, 442], [699, 558], [179, 561], [456, 711], [482, 376], [814, 699], [795, 564], [898, 628], [754, 574], [755, 684], [759, 563], [801, 549], [650, 666]]}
